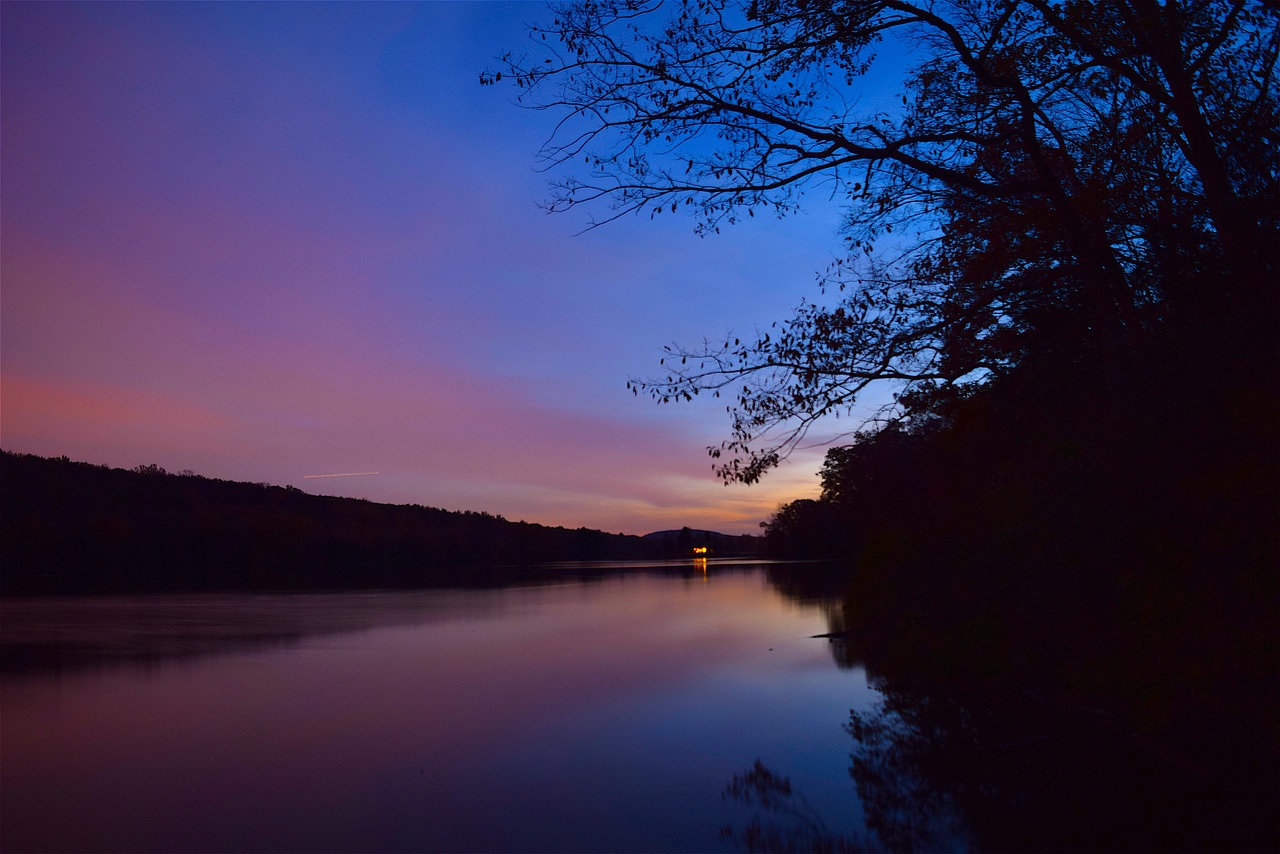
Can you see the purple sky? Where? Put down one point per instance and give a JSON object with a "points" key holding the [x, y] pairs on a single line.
{"points": [[267, 241]]}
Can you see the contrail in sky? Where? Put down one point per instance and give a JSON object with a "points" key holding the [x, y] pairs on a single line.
{"points": [[346, 474]]}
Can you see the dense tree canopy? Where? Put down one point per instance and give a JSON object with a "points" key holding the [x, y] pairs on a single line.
{"points": [[1062, 247], [1057, 179]]}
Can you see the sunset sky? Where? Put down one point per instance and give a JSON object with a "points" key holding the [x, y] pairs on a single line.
{"points": [[270, 241]]}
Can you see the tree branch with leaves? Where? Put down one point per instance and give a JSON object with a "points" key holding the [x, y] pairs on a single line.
{"points": [[1049, 165]]}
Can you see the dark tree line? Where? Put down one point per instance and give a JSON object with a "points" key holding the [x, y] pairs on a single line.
{"points": [[69, 527]]}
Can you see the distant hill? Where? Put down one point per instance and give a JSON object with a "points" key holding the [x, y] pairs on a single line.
{"points": [[71, 527], [678, 543]]}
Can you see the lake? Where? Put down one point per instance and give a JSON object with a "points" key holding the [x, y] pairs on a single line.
{"points": [[597, 710]]}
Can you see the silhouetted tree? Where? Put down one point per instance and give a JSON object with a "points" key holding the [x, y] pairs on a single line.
{"points": [[1063, 249], [806, 528], [1059, 176]]}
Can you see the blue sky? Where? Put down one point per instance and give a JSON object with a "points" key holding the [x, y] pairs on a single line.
{"points": [[269, 241]]}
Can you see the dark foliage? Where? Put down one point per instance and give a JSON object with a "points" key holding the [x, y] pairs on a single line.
{"points": [[1012, 772], [1066, 254], [806, 529], [1058, 180], [68, 527], [1070, 599], [978, 742]]}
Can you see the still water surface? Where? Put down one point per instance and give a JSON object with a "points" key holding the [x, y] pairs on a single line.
{"points": [[598, 712]]}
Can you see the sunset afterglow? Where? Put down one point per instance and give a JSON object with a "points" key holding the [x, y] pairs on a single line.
{"points": [[266, 242], [639, 425]]}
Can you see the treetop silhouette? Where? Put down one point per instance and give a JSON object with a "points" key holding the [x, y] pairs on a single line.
{"points": [[1060, 178]]}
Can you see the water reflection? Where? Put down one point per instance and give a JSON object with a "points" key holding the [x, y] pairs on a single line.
{"points": [[50, 634], [687, 706], [1001, 769], [41, 635], [600, 711], [961, 761], [783, 819]]}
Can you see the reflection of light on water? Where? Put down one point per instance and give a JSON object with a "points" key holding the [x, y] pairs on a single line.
{"points": [[700, 559]]}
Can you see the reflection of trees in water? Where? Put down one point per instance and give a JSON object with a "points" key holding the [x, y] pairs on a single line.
{"points": [[905, 804], [1005, 772], [793, 825], [958, 755], [44, 635], [809, 583], [820, 585], [968, 763], [40, 635]]}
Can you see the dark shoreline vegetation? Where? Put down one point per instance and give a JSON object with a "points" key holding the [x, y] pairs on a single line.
{"points": [[1063, 250], [74, 528], [1060, 547], [1070, 598]]}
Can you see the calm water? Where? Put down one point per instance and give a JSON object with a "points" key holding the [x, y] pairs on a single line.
{"points": [[582, 714]]}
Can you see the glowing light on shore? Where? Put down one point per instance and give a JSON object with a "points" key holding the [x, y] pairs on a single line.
{"points": [[344, 474]]}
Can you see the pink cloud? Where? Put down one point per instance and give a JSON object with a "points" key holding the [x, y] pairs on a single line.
{"points": [[37, 408]]}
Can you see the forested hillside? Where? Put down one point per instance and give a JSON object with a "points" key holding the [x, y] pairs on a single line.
{"points": [[69, 527]]}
